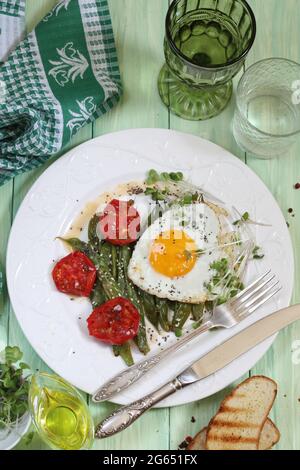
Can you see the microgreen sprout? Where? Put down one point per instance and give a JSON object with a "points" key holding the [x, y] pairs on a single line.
{"points": [[154, 177], [245, 218], [225, 279], [13, 387], [256, 253]]}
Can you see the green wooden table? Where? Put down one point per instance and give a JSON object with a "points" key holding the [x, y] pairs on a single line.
{"points": [[139, 31]]}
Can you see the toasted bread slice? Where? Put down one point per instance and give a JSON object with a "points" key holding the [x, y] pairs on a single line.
{"points": [[199, 441], [268, 438], [241, 417]]}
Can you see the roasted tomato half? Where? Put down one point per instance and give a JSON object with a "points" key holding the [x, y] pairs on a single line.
{"points": [[120, 222], [75, 275], [114, 322]]}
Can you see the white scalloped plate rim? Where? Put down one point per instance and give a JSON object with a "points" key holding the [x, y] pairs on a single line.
{"points": [[51, 322]]}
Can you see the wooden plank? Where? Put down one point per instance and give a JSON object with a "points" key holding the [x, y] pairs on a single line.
{"points": [[34, 12], [279, 36], [139, 29], [217, 130], [5, 218]]}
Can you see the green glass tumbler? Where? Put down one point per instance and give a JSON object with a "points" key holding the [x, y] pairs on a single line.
{"points": [[206, 44]]}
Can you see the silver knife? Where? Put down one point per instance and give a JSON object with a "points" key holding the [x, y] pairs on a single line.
{"points": [[215, 360]]}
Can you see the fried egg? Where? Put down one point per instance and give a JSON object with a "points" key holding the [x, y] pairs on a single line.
{"points": [[172, 258]]}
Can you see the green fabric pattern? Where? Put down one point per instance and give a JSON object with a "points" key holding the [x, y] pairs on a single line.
{"points": [[12, 7], [62, 76]]}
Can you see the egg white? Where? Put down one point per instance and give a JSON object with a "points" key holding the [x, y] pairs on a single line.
{"points": [[201, 224]]}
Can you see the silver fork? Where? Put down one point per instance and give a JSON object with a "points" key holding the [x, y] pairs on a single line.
{"points": [[223, 316]]}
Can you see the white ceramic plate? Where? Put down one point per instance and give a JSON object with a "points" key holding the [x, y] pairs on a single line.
{"points": [[50, 320]]}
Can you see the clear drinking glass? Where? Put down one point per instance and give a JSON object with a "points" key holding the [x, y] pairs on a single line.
{"points": [[267, 117], [60, 414], [206, 44]]}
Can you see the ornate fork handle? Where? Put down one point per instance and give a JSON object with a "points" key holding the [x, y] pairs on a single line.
{"points": [[134, 373], [125, 416]]}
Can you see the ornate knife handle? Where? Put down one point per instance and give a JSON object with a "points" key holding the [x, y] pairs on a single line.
{"points": [[134, 373], [125, 416], [125, 379]]}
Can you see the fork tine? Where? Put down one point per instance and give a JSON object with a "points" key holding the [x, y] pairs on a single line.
{"points": [[257, 297], [250, 287], [256, 289], [248, 311]]}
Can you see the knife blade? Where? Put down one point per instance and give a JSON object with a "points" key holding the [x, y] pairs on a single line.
{"points": [[212, 362]]}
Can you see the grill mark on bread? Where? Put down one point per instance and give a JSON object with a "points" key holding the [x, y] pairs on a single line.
{"points": [[255, 396], [233, 439], [234, 424], [231, 409], [268, 437]]}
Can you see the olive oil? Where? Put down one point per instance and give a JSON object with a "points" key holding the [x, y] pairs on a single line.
{"points": [[61, 417]]}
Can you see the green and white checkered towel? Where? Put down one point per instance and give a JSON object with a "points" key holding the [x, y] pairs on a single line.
{"points": [[62, 76], [12, 25]]}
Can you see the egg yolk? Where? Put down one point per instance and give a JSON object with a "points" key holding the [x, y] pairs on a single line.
{"points": [[173, 253]]}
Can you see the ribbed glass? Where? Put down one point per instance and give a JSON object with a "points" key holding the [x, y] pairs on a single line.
{"points": [[205, 46]]}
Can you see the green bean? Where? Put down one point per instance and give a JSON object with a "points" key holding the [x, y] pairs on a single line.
{"points": [[121, 273], [150, 308], [181, 314], [102, 261], [124, 351], [162, 308], [198, 311], [75, 244], [105, 256], [130, 290], [109, 284], [94, 240], [97, 296], [114, 256], [141, 338]]}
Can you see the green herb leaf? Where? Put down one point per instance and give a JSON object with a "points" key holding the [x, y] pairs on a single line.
{"points": [[156, 194], [187, 199], [245, 217], [228, 282], [176, 176], [256, 253], [24, 366], [164, 177], [13, 388], [153, 177], [13, 354], [178, 332]]}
